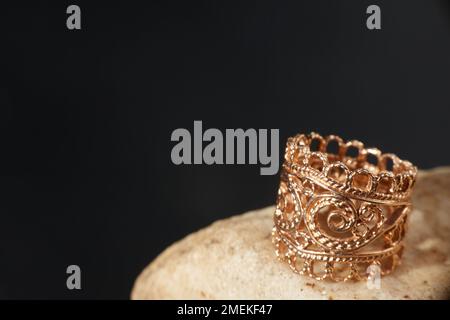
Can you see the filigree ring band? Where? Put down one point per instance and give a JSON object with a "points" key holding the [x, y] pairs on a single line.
{"points": [[341, 208]]}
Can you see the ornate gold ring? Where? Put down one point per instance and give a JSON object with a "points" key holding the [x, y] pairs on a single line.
{"points": [[341, 208]]}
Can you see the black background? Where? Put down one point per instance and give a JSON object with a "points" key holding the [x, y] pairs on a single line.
{"points": [[86, 118]]}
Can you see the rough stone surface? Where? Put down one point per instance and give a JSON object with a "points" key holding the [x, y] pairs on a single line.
{"points": [[234, 259]]}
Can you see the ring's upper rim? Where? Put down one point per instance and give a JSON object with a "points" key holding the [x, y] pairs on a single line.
{"points": [[359, 174]]}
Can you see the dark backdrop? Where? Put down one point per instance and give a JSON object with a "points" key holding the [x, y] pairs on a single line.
{"points": [[86, 118]]}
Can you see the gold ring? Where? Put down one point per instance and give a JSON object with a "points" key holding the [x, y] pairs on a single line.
{"points": [[341, 208]]}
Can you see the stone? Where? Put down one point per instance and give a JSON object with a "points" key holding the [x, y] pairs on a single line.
{"points": [[234, 259]]}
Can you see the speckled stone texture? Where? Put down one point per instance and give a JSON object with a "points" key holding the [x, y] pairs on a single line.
{"points": [[234, 259]]}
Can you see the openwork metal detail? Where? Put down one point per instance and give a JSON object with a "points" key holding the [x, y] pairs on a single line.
{"points": [[341, 207]]}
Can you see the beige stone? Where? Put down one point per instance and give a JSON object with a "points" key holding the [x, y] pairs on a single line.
{"points": [[234, 259]]}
